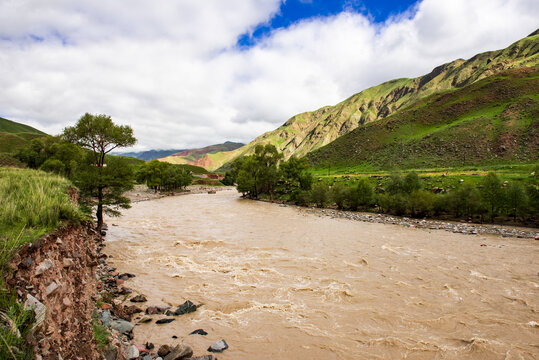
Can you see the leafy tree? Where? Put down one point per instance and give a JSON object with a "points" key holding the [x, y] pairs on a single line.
{"points": [[258, 172], [320, 194], [54, 166], [339, 195], [365, 193], [395, 184], [420, 203], [103, 182], [294, 173], [232, 174], [411, 183], [491, 194], [516, 199]]}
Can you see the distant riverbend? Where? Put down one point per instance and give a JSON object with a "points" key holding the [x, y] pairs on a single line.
{"points": [[283, 283]]}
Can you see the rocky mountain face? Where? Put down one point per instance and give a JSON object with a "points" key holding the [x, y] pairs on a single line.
{"points": [[311, 130]]}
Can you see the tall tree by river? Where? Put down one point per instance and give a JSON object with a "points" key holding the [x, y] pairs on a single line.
{"points": [[102, 180]]}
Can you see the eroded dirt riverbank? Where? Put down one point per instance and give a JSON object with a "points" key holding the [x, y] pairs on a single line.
{"points": [[277, 282]]}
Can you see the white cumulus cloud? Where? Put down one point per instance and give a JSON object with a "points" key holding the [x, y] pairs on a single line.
{"points": [[173, 72]]}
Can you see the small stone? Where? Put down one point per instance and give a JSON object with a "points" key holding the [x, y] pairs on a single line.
{"points": [[144, 320], [111, 354], [218, 347], [147, 357], [199, 332], [40, 310], [122, 326], [185, 308], [105, 318], [151, 310], [106, 306], [149, 345], [27, 262], [163, 350], [51, 288], [132, 352], [164, 321], [139, 298], [68, 262], [180, 352], [66, 302], [204, 357], [43, 266]]}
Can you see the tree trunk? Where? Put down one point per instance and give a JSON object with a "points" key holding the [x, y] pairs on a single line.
{"points": [[99, 212]]}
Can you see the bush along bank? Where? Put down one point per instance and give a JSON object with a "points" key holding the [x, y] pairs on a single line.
{"points": [[262, 175]]}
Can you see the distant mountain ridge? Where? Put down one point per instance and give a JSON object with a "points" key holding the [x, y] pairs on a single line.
{"points": [[149, 154], [204, 157], [309, 131]]}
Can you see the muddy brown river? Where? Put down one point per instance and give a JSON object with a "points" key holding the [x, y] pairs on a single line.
{"points": [[278, 283]]}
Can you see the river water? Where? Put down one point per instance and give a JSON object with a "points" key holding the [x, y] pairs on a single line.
{"points": [[278, 283]]}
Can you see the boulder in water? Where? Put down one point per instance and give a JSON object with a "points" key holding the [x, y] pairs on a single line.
{"points": [[185, 308], [218, 347]]}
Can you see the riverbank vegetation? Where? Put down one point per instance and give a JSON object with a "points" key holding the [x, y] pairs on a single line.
{"points": [[33, 203], [478, 197]]}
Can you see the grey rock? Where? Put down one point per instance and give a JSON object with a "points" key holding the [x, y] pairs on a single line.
{"points": [[218, 347], [132, 352], [105, 318], [122, 326], [185, 308], [147, 357], [144, 320], [204, 357], [40, 310], [43, 266], [180, 352]]}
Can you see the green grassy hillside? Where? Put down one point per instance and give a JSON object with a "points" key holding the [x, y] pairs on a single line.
{"points": [[311, 130], [492, 121], [14, 135]]}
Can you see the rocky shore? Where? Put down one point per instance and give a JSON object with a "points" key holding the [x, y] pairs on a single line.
{"points": [[120, 310], [143, 193], [465, 228]]}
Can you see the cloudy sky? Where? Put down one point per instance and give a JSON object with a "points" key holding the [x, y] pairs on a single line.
{"points": [[190, 73]]}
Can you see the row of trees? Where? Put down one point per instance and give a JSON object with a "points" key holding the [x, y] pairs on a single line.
{"points": [[265, 174], [405, 196]]}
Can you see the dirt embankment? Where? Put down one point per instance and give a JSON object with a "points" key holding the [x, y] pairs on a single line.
{"points": [[59, 272]]}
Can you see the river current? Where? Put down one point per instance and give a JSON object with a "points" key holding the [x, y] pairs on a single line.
{"points": [[279, 283]]}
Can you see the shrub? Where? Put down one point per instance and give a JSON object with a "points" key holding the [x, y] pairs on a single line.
{"points": [[339, 195], [320, 194]]}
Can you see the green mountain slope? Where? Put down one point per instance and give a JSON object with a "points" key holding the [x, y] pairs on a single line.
{"points": [[14, 135], [494, 120], [311, 130]]}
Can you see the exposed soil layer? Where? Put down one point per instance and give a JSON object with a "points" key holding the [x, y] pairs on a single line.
{"points": [[59, 270]]}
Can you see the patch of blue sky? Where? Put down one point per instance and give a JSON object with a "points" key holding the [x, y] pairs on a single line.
{"points": [[294, 11]]}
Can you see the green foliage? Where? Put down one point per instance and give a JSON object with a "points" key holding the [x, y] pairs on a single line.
{"points": [[258, 173], [162, 176], [339, 195], [364, 194], [516, 199], [492, 194], [320, 194], [102, 184], [62, 156], [15, 325], [101, 333]]}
